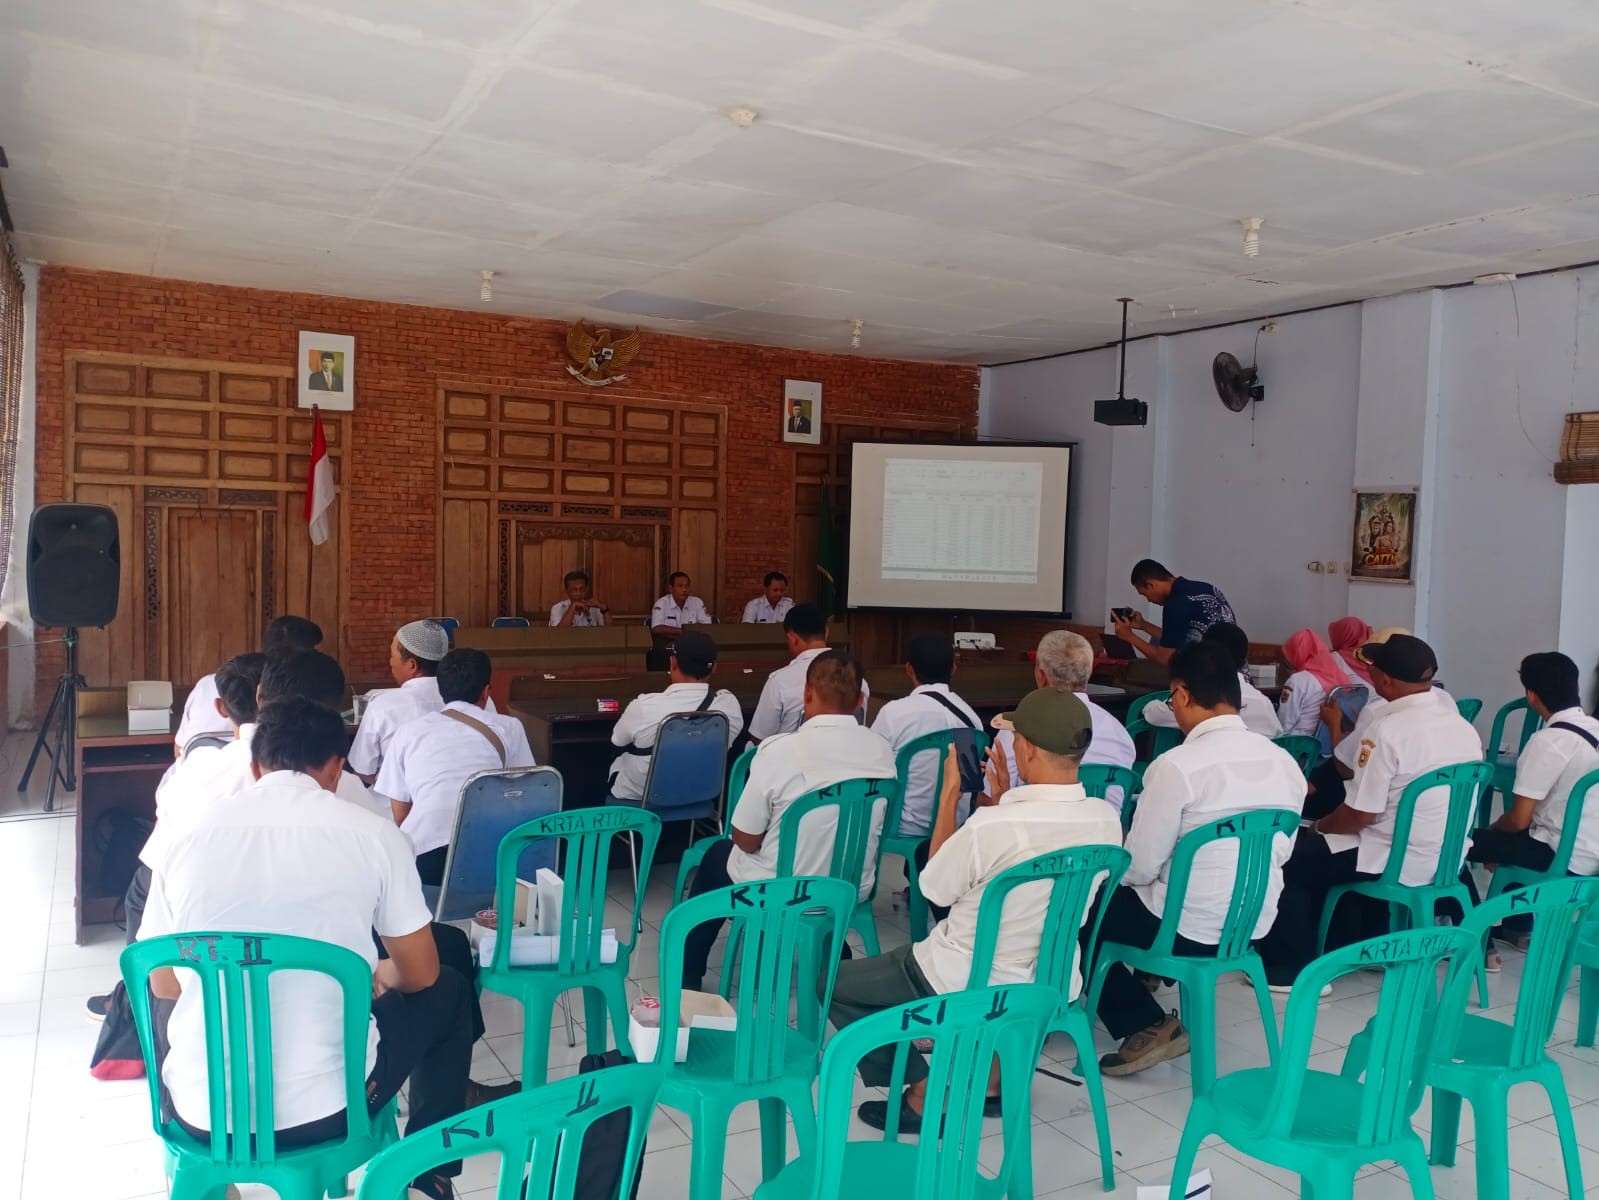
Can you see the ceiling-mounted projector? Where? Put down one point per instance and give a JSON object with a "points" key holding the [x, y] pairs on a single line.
{"points": [[1122, 411]]}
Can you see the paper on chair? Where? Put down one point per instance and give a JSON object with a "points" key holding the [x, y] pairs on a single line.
{"points": [[541, 949]]}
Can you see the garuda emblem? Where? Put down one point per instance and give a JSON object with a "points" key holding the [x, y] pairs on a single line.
{"points": [[600, 357]]}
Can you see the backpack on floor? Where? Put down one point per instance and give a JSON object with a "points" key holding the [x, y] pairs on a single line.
{"points": [[605, 1145], [116, 1053]]}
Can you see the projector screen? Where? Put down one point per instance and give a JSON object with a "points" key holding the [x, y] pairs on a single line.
{"points": [[978, 528]]}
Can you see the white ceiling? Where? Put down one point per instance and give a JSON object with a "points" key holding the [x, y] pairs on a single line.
{"points": [[977, 180]]}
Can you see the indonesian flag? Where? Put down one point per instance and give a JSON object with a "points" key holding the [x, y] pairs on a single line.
{"points": [[319, 485]]}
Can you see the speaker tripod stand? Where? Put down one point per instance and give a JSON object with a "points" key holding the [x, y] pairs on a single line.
{"points": [[62, 715]]}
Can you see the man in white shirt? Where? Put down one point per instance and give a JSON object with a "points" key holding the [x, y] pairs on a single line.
{"points": [[930, 708], [284, 856], [692, 662], [414, 656], [1417, 730], [772, 605], [781, 707], [1221, 769], [1064, 660], [579, 610], [1548, 768], [285, 635], [1258, 713], [830, 747], [677, 608], [430, 759], [1049, 812]]}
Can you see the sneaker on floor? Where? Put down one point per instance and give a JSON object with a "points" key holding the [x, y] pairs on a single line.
{"points": [[874, 1114], [99, 1008], [431, 1186], [1144, 1049], [1279, 985], [1491, 962]]}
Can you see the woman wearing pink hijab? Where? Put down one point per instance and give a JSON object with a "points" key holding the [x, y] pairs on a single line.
{"points": [[1316, 672], [1347, 635]]}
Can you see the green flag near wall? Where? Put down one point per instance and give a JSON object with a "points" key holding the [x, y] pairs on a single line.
{"points": [[826, 563]]}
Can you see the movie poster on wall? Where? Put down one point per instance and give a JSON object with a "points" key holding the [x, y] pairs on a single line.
{"points": [[1384, 537]]}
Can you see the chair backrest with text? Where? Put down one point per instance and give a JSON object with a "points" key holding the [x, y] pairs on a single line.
{"points": [[858, 806], [938, 743], [492, 804], [1465, 782], [1254, 833]]}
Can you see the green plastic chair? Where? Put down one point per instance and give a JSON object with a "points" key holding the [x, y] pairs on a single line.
{"points": [[774, 924], [1588, 985], [694, 854], [585, 835], [1506, 876], [1163, 737], [1469, 708], [1197, 976], [1303, 748], [1416, 907], [968, 1031], [1325, 1127], [1081, 881], [234, 971], [1480, 1059], [1503, 760], [1097, 780], [538, 1134], [907, 846]]}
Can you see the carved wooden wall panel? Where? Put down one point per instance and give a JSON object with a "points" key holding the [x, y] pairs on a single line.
{"points": [[205, 465], [535, 483]]}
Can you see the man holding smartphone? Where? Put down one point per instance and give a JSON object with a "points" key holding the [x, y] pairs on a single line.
{"points": [[1190, 608]]}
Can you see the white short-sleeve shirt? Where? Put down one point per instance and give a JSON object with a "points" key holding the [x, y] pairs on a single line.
{"points": [[902, 721], [282, 856], [825, 750], [1347, 751], [209, 773], [1028, 821], [430, 759], [386, 711], [781, 707], [1221, 769], [1259, 715], [1548, 768], [1407, 738], [667, 611], [589, 618], [761, 611], [641, 721], [1109, 744], [1300, 708], [200, 713]]}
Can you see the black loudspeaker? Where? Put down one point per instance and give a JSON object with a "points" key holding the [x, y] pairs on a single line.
{"points": [[74, 565]]}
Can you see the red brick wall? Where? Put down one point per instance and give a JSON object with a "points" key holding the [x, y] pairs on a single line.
{"points": [[401, 352]]}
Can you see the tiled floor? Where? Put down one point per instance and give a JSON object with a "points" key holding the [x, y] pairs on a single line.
{"points": [[64, 1136]]}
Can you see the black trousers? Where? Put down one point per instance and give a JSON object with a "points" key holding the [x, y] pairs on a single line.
{"points": [[455, 953], [1125, 1005], [1507, 849], [422, 1036], [712, 874], [133, 901], [1328, 790], [1312, 871], [430, 866]]}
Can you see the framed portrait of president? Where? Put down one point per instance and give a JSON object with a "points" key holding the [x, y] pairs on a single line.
{"points": [[326, 371], [802, 412]]}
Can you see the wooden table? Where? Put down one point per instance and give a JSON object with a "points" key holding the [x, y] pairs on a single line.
{"points": [[117, 770], [990, 688]]}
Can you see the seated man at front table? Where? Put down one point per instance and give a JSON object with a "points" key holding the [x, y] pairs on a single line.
{"points": [[1220, 770], [1048, 812], [931, 708], [1063, 661], [782, 704], [692, 660], [285, 857], [1190, 608], [677, 608], [830, 747], [1418, 729], [430, 759], [201, 715], [414, 656], [772, 605], [1258, 713], [579, 610]]}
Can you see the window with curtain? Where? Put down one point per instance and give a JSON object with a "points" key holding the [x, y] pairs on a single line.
{"points": [[10, 390]]}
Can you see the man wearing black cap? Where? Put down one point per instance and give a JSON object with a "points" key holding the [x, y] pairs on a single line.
{"points": [[1419, 729], [693, 658], [1050, 811]]}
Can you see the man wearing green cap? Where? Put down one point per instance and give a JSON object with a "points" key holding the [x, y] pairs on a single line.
{"points": [[1050, 811]]}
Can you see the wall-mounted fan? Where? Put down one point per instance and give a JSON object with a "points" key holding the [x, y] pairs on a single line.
{"points": [[1237, 385]]}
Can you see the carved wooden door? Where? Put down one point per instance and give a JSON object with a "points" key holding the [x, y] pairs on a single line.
{"points": [[213, 576]]}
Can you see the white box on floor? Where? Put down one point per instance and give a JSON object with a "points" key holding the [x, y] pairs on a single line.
{"points": [[698, 1010], [150, 706], [1199, 1188]]}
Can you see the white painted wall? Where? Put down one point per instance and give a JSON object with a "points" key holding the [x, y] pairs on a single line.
{"points": [[1461, 393]]}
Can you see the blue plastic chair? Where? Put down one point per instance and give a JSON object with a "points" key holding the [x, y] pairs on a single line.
{"points": [[688, 771], [492, 804], [511, 623]]}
